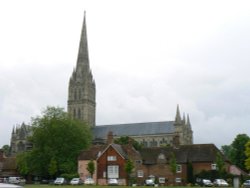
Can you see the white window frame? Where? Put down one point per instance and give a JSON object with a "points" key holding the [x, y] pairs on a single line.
{"points": [[213, 166], [140, 173], [162, 180], [111, 158], [178, 180], [113, 171], [178, 168]]}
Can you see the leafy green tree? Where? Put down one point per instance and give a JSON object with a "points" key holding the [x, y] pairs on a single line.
{"points": [[227, 151], [56, 136], [52, 169], [91, 167], [238, 153], [129, 167], [247, 153], [220, 164], [125, 140], [173, 163], [6, 150], [23, 164]]}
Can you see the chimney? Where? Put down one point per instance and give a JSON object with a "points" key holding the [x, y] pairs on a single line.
{"points": [[110, 137]]}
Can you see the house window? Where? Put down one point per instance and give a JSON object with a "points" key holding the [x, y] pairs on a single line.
{"points": [[113, 171], [178, 180], [111, 158], [213, 167], [104, 174], [178, 168], [140, 173], [161, 180]]}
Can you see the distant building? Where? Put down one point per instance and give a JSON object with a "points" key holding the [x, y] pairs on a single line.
{"points": [[82, 105], [19, 139]]}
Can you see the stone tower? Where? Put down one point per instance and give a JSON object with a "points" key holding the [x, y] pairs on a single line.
{"points": [[183, 129], [82, 90]]}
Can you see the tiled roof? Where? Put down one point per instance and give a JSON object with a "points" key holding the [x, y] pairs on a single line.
{"points": [[183, 154], [91, 153], [150, 128]]}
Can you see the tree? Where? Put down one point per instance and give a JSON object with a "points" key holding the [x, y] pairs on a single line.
{"points": [[247, 153], [236, 151], [91, 167], [52, 168], [220, 164], [125, 140], [23, 165], [129, 166], [57, 141], [227, 151], [173, 163], [6, 150]]}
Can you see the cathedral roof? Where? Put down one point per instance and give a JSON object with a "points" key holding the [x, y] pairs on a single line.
{"points": [[134, 129]]}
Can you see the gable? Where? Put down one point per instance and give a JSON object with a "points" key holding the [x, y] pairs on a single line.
{"points": [[113, 150]]}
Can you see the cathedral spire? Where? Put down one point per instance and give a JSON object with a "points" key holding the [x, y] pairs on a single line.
{"points": [[188, 121], [81, 93], [83, 54], [178, 115]]}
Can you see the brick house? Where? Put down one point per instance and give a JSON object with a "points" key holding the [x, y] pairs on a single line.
{"points": [[109, 159], [154, 162]]}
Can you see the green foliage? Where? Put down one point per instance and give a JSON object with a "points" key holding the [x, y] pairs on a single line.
{"points": [[173, 163], [129, 167], [236, 151], [220, 164], [57, 141], [23, 164], [91, 167], [52, 169], [247, 153], [125, 140], [6, 150]]}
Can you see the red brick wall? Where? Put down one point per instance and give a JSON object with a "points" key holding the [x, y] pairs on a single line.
{"points": [[103, 163]]}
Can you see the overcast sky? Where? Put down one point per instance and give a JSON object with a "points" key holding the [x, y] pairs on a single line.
{"points": [[146, 57]]}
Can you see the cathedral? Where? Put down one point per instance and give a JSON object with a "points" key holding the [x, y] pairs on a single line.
{"points": [[81, 105]]}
